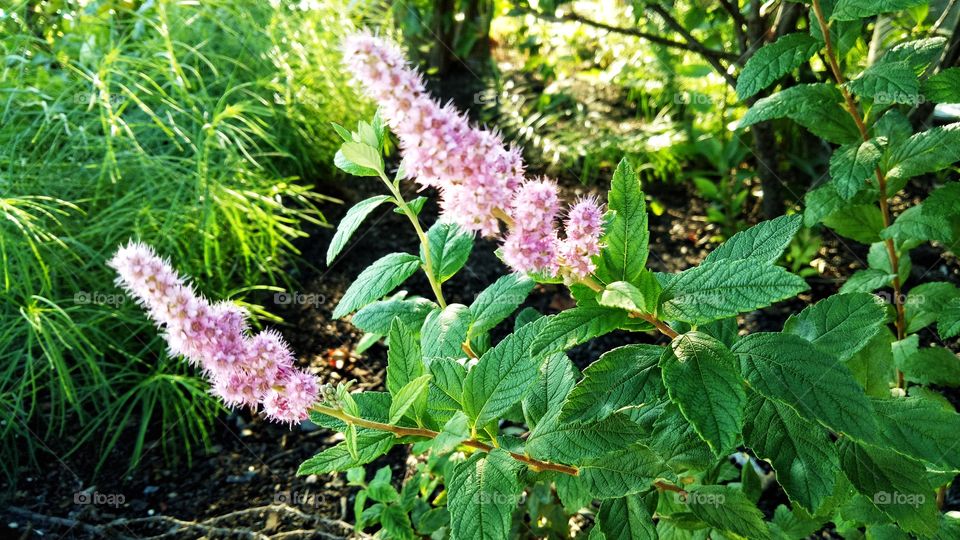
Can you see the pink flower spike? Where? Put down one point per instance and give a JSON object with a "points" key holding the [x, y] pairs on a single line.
{"points": [[290, 400], [584, 227], [531, 245]]}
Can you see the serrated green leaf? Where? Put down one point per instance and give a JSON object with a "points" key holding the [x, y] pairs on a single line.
{"points": [[450, 247], [932, 365], [790, 369], [724, 288], [813, 106], [483, 492], [764, 241], [801, 452], [867, 280], [924, 152], [378, 279], [556, 378], [921, 429], [849, 10], [896, 485], [839, 325], [498, 301], [349, 224], [944, 87], [862, 222], [376, 318], [702, 377], [873, 367], [943, 202], [444, 332], [948, 323], [621, 473], [727, 508], [626, 236], [446, 389], [395, 521], [575, 442], [370, 405], [915, 225], [919, 53], [408, 396], [623, 377], [370, 445], [887, 83], [773, 61], [625, 519], [574, 326], [502, 376], [404, 361], [675, 440], [925, 302], [852, 165], [455, 431], [349, 167], [362, 155]]}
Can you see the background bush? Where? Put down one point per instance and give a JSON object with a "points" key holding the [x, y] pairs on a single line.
{"points": [[196, 127]]}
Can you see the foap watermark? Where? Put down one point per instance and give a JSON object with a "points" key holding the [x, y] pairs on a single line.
{"points": [[483, 497], [99, 298], [491, 96], [700, 499], [915, 500], [294, 298], [97, 498], [692, 98], [299, 498], [891, 98]]}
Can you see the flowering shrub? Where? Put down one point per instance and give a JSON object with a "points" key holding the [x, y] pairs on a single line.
{"points": [[644, 435]]}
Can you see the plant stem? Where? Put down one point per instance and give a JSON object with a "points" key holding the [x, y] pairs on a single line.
{"points": [[424, 243], [881, 179], [399, 431]]}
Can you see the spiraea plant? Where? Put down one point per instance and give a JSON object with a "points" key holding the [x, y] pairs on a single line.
{"points": [[512, 439]]}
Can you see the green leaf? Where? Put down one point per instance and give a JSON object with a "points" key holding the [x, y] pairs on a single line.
{"points": [[625, 519], [574, 442], [483, 493], [626, 235], [455, 431], [943, 202], [921, 429], [574, 326], [380, 489], [919, 53], [764, 241], [932, 365], [790, 369], [450, 247], [840, 325], [873, 367], [801, 452], [913, 224], [404, 361], [395, 521], [626, 296], [349, 167], [924, 152], [924, 303], [897, 486], [867, 280], [446, 389], [948, 323], [408, 396], [362, 155], [370, 445], [813, 106], [888, 83], [675, 439], [444, 332], [556, 378], [498, 301], [376, 318], [862, 222], [502, 376], [944, 87], [773, 61], [849, 10], [349, 224], [623, 377], [824, 200], [378, 279], [853, 164], [724, 288], [702, 377], [621, 473], [728, 509]]}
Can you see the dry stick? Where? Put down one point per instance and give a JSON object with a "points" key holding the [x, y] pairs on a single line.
{"points": [[881, 179]]}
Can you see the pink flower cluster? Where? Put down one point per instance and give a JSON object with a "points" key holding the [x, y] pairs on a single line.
{"points": [[245, 370], [473, 169], [479, 178]]}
